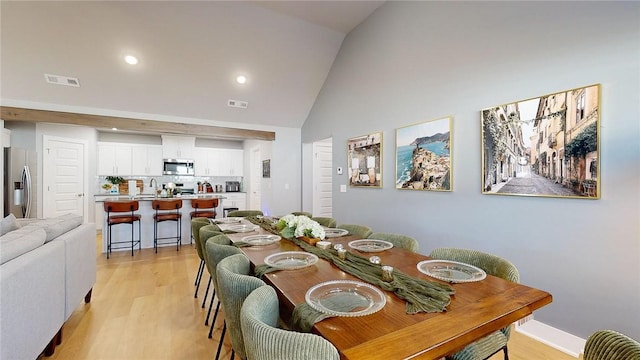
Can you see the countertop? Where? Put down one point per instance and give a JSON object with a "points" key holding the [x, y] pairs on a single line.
{"points": [[150, 197]]}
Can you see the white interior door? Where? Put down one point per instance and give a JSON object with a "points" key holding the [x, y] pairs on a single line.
{"points": [[322, 178], [255, 178], [63, 176]]}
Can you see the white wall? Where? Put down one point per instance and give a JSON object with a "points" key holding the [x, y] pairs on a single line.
{"points": [[281, 193], [418, 61]]}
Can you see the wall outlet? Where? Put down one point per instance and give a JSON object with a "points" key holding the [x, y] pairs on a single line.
{"points": [[343, 188]]}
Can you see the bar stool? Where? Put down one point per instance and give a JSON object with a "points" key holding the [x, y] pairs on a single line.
{"points": [[122, 206], [205, 208], [167, 210]]}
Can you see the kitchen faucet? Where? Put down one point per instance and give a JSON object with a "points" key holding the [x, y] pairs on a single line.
{"points": [[155, 189]]}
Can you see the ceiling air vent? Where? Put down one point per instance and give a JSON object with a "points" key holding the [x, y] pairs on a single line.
{"points": [[62, 80], [238, 104]]}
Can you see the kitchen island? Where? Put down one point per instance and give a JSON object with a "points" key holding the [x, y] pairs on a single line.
{"points": [[165, 229]]}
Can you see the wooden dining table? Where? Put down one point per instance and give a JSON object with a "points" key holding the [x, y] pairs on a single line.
{"points": [[476, 309]]}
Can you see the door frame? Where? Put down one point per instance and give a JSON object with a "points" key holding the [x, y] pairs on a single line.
{"points": [[46, 175]]}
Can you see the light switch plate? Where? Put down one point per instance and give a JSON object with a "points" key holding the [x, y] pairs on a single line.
{"points": [[343, 188], [339, 170]]}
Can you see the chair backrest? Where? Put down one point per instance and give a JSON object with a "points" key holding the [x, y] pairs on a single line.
{"points": [[168, 204], [303, 213], [121, 206], [234, 285], [357, 230], [206, 232], [399, 241], [264, 341], [325, 221], [196, 225], [244, 213], [491, 264], [204, 203], [218, 248], [611, 345]]}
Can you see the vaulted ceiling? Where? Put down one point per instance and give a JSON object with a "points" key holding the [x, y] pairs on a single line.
{"points": [[189, 52]]}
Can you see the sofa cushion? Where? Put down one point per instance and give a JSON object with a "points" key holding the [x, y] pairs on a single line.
{"points": [[9, 223], [20, 241], [58, 225]]}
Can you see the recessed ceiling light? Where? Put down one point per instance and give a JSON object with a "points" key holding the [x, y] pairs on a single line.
{"points": [[241, 79], [114, 129], [131, 60]]}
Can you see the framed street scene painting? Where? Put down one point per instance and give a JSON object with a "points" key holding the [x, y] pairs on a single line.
{"points": [[423, 156], [546, 146], [266, 168], [364, 160]]}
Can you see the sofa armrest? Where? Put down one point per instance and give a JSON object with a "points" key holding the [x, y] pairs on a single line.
{"points": [[80, 264], [32, 301]]}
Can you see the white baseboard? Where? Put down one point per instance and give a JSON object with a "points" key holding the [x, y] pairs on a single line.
{"points": [[548, 335]]}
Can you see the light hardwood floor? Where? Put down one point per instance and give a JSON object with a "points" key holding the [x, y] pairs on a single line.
{"points": [[143, 308]]}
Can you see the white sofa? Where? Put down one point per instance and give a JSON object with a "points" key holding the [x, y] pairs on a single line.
{"points": [[47, 267]]}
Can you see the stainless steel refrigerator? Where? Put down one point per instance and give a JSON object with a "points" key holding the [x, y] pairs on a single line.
{"points": [[19, 186]]}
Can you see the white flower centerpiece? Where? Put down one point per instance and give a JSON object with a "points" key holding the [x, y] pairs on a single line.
{"points": [[301, 227]]}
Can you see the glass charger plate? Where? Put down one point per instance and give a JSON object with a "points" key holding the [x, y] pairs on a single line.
{"points": [[332, 233], [370, 245], [291, 260], [241, 228], [260, 240], [451, 271], [229, 220], [345, 298]]}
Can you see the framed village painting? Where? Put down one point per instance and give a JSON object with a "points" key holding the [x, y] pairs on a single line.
{"points": [[364, 160], [546, 146], [423, 156]]}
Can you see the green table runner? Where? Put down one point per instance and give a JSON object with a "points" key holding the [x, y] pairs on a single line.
{"points": [[420, 295]]}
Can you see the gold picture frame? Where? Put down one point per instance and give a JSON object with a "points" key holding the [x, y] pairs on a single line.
{"points": [[423, 156], [364, 160], [547, 146]]}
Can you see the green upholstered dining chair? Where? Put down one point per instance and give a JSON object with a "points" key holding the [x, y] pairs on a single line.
{"points": [[611, 345], [399, 241], [206, 232], [218, 248], [264, 341], [196, 224], [303, 213], [357, 230], [234, 285], [325, 221], [492, 265], [244, 213]]}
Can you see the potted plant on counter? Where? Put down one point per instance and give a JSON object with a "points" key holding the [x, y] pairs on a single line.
{"points": [[115, 182]]}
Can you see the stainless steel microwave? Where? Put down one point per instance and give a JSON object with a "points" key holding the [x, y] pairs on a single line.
{"points": [[177, 167]]}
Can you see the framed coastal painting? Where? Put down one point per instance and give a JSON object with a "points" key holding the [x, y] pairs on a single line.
{"points": [[364, 160], [423, 156], [545, 146]]}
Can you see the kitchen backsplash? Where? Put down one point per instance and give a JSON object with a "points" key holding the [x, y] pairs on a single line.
{"points": [[190, 182]]}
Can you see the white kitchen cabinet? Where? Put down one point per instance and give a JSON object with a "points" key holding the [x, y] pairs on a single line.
{"points": [[146, 160], [218, 162], [114, 159], [231, 162], [236, 165], [178, 147], [205, 162], [238, 200]]}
